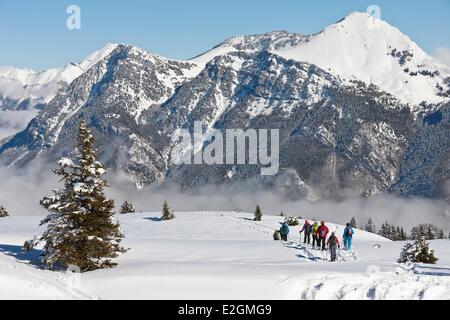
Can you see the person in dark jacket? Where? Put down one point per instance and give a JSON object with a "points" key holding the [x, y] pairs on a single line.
{"points": [[307, 229], [333, 244], [284, 231], [322, 233]]}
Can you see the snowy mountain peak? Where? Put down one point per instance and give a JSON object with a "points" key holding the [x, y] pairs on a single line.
{"points": [[361, 47], [267, 41], [98, 55], [25, 88]]}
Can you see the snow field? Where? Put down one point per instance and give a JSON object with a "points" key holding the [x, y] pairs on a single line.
{"points": [[222, 255]]}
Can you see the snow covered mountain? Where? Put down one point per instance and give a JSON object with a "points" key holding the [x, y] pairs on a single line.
{"points": [[357, 127], [359, 47], [24, 88]]}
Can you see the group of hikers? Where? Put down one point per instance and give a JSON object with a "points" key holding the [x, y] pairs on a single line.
{"points": [[318, 234]]}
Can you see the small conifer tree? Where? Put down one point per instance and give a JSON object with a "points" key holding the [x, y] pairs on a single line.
{"points": [[258, 213], [292, 221], [429, 231], [370, 226], [3, 212], [166, 213], [418, 252], [127, 207], [353, 222]]}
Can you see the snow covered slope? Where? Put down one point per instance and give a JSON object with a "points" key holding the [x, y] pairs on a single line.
{"points": [[222, 255], [25, 88]]}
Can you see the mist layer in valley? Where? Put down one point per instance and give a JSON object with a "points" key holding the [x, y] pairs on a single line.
{"points": [[21, 190]]}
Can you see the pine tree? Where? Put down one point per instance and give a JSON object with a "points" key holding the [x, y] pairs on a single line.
{"points": [[429, 231], [258, 213], [353, 222], [423, 252], [80, 227], [430, 234], [166, 213], [127, 207], [407, 253], [3, 212], [370, 226], [394, 233], [292, 221], [418, 252], [403, 235], [385, 230]]}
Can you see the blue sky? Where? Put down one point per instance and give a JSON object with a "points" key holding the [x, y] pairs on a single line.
{"points": [[34, 34]]}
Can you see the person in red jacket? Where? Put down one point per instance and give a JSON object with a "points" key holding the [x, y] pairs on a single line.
{"points": [[322, 233]]}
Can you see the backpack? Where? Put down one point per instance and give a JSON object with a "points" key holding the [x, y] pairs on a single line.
{"points": [[332, 241], [277, 235], [310, 228], [349, 232]]}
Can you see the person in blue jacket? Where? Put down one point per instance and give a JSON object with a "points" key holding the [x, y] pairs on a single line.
{"points": [[348, 236], [284, 231]]}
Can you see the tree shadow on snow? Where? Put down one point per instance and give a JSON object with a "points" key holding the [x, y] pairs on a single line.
{"points": [[154, 219], [31, 258], [434, 271]]}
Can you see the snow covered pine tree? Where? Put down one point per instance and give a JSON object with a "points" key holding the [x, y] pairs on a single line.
{"points": [[3, 212], [419, 251], [370, 226], [80, 227], [127, 207]]}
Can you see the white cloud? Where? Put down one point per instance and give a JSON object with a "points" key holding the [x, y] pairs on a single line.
{"points": [[12, 122], [442, 54]]}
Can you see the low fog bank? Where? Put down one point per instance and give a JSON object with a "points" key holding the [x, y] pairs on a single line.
{"points": [[21, 191], [11, 122], [406, 212]]}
